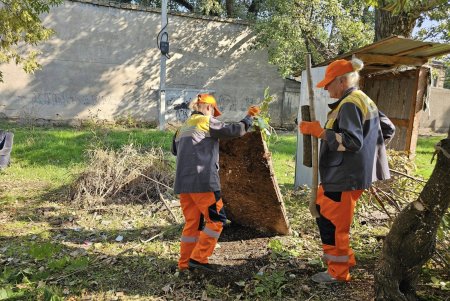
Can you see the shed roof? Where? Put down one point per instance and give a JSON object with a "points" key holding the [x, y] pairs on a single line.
{"points": [[394, 51]]}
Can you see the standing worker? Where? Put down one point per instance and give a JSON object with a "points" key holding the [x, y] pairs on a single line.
{"points": [[196, 145], [352, 156]]}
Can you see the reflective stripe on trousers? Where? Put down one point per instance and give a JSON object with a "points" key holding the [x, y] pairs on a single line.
{"points": [[198, 240], [336, 214]]}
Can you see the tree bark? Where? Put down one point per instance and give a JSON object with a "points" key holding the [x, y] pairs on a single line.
{"points": [[253, 9], [387, 23], [412, 239], [229, 5]]}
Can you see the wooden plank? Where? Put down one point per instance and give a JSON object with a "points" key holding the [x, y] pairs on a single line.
{"points": [[393, 94], [315, 141], [399, 122], [412, 114], [250, 190], [390, 60], [414, 49], [307, 143], [394, 75], [397, 143], [422, 87], [386, 41], [446, 51], [348, 55]]}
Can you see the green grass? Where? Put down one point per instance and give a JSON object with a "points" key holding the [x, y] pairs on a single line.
{"points": [[424, 153], [49, 157], [283, 155]]}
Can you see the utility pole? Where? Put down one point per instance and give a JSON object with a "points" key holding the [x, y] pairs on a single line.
{"points": [[164, 47]]}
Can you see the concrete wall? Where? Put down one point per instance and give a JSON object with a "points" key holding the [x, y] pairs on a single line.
{"points": [[290, 103], [103, 63], [437, 119]]}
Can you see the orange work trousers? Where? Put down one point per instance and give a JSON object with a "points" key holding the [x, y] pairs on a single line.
{"points": [[336, 214], [204, 216]]}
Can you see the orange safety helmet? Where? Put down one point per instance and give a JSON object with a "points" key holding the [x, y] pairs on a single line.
{"points": [[335, 69], [209, 99]]}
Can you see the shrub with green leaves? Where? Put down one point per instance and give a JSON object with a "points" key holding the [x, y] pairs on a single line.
{"points": [[270, 285], [262, 121], [21, 25]]}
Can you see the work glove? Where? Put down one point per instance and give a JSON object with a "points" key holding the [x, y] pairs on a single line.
{"points": [[253, 111], [312, 128]]}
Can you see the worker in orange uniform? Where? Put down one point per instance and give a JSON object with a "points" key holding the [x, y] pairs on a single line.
{"points": [[196, 145], [352, 156]]}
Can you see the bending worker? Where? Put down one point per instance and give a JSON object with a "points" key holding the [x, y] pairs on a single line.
{"points": [[352, 156], [196, 145]]}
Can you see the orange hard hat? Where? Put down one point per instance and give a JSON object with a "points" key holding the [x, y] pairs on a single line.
{"points": [[335, 69], [209, 99]]}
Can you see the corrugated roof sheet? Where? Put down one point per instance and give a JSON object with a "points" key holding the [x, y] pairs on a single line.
{"points": [[395, 51]]}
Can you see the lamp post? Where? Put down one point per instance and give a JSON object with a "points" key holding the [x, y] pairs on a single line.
{"points": [[164, 47]]}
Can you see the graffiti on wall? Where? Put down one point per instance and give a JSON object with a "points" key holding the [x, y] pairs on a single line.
{"points": [[177, 103], [52, 98], [231, 103]]}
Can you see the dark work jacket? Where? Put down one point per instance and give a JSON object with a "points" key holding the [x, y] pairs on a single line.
{"points": [[196, 145], [354, 153]]}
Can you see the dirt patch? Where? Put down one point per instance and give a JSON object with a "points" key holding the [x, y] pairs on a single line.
{"points": [[240, 254], [249, 188]]}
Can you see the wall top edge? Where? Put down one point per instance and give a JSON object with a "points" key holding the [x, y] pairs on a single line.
{"points": [[135, 7]]}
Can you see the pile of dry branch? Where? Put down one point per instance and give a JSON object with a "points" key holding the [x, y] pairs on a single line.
{"points": [[123, 176], [394, 194]]}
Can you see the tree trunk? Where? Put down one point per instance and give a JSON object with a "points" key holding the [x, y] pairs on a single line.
{"points": [[412, 238], [253, 9], [229, 5], [388, 24]]}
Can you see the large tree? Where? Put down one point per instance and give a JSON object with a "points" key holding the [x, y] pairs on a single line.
{"points": [[21, 29], [412, 238], [400, 17], [290, 28]]}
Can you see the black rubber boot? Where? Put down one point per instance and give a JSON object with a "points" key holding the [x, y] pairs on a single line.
{"points": [[195, 265]]}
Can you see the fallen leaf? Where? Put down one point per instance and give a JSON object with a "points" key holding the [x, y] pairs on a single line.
{"points": [[166, 288], [306, 288], [240, 283]]}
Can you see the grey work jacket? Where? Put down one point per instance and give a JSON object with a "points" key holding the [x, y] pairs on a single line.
{"points": [[354, 153], [196, 145]]}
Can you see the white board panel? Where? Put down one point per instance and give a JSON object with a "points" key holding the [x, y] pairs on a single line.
{"points": [[303, 174]]}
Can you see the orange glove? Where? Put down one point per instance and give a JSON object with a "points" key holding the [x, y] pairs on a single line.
{"points": [[253, 111], [311, 128]]}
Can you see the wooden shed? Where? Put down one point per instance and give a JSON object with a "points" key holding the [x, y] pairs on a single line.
{"points": [[396, 76]]}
